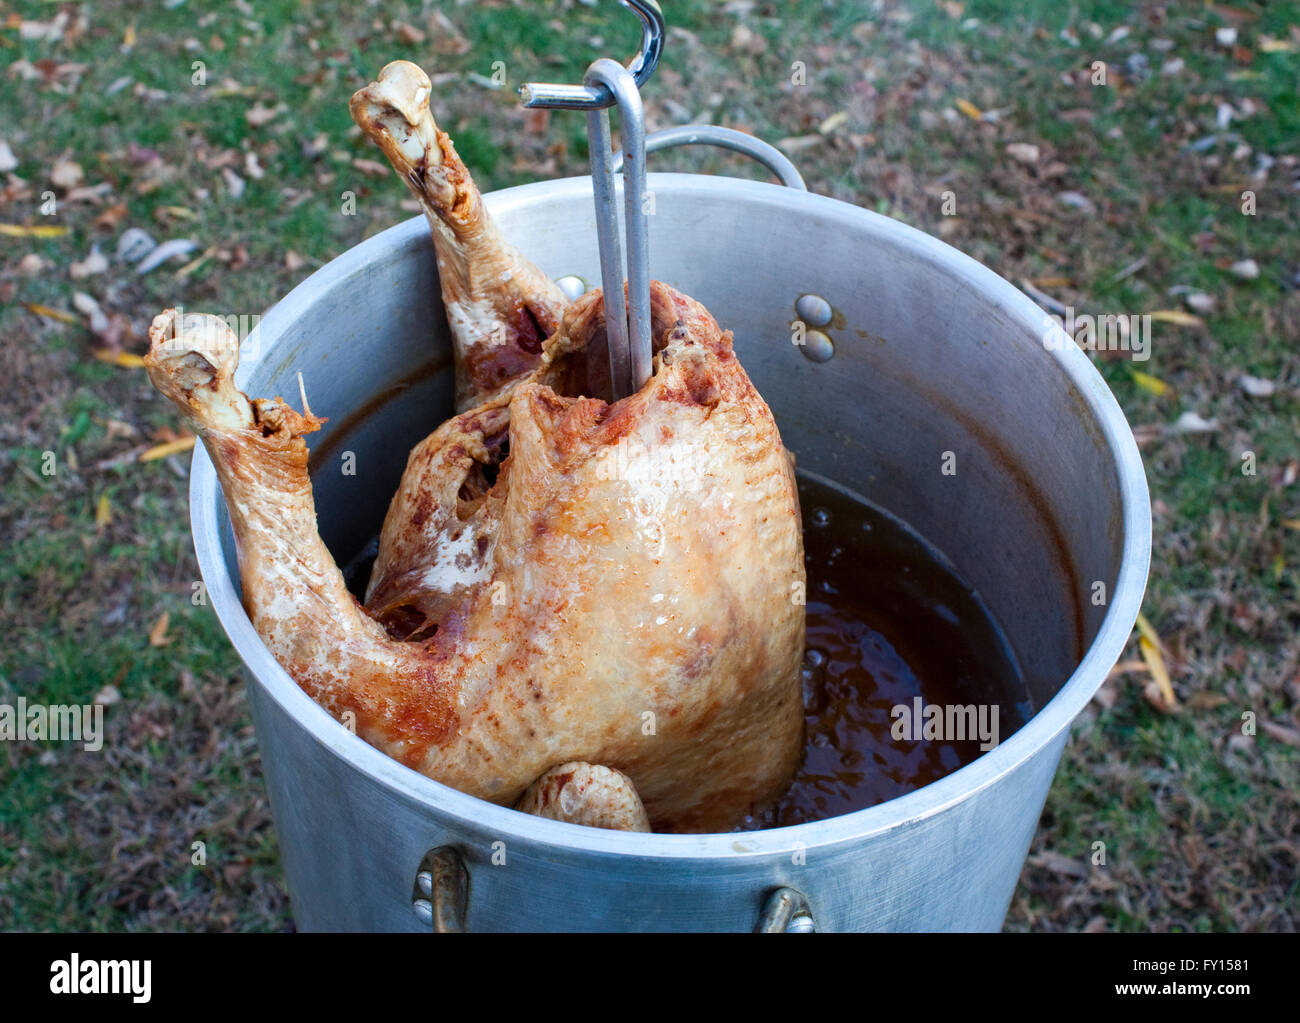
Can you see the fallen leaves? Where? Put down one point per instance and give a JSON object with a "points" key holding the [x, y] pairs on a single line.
{"points": [[1177, 317], [1023, 152], [158, 634], [49, 313], [103, 513], [66, 174], [1150, 384], [1159, 692], [174, 447], [32, 231]]}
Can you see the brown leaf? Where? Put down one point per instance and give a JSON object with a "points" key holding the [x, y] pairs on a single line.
{"points": [[258, 115], [1281, 733], [158, 634], [66, 174]]}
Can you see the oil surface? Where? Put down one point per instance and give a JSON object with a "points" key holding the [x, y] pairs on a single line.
{"points": [[889, 620]]}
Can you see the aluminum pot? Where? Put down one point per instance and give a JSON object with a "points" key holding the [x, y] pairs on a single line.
{"points": [[934, 363]]}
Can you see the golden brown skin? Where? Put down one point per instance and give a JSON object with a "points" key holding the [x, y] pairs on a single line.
{"points": [[625, 592], [500, 307]]}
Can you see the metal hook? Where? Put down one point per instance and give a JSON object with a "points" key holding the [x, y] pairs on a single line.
{"points": [[599, 96], [630, 348]]}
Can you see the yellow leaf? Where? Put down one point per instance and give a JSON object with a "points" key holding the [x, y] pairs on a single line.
{"points": [[1267, 44], [158, 634], [1051, 282], [39, 231], [1149, 383], [103, 512], [1291, 524], [1279, 566], [1178, 317], [1156, 665], [173, 447], [128, 37], [969, 109], [831, 123], [127, 360], [1148, 630], [53, 314]]}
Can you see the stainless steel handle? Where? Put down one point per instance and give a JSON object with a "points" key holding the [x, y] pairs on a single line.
{"points": [[724, 138], [441, 891], [786, 912]]}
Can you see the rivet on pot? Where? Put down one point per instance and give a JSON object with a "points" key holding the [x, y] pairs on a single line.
{"points": [[574, 286], [423, 911], [817, 346], [424, 881], [814, 310]]}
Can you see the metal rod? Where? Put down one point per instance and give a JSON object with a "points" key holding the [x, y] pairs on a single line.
{"points": [[611, 252], [634, 332], [596, 97]]}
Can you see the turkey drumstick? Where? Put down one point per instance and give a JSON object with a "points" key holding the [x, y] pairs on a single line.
{"points": [[500, 307]]}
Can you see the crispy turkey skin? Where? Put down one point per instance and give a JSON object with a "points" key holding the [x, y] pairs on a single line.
{"points": [[559, 579]]}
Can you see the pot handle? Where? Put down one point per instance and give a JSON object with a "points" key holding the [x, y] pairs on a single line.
{"points": [[787, 912], [441, 891], [724, 138]]}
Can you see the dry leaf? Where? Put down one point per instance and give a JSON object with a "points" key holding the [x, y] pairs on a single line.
{"points": [[1159, 692], [158, 634], [836, 120], [1256, 387], [174, 447], [1147, 382], [1177, 317], [258, 115], [66, 174], [969, 109], [38, 231], [127, 360], [103, 513], [1024, 152], [51, 314], [1281, 733], [293, 261], [1191, 422]]}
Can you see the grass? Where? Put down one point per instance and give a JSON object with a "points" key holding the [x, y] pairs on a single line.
{"points": [[1201, 824]]}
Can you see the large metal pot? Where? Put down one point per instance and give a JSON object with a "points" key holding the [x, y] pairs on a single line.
{"points": [[933, 353]]}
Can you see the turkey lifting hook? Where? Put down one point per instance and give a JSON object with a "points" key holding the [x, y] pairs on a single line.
{"points": [[607, 83]]}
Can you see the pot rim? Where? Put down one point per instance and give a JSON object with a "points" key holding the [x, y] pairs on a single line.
{"points": [[207, 506]]}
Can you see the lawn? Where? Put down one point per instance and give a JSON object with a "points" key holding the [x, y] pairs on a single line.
{"points": [[1117, 158]]}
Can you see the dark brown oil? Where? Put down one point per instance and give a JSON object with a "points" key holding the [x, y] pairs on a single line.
{"points": [[889, 620]]}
